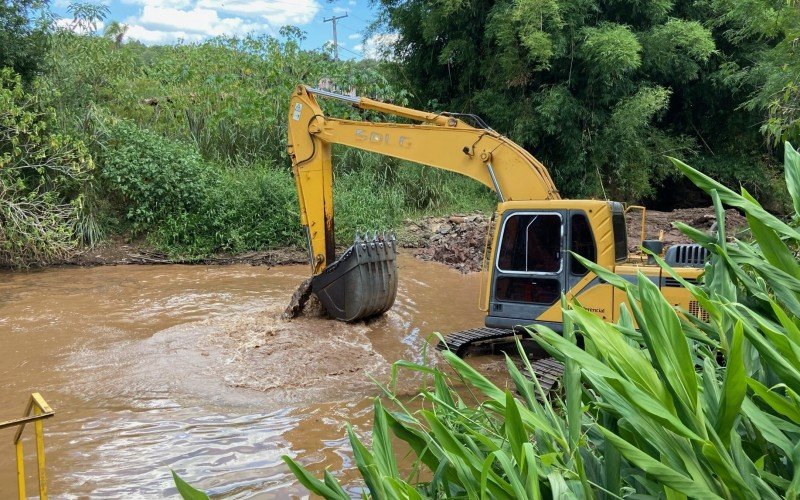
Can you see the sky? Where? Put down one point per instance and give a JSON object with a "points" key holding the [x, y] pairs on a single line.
{"points": [[168, 21]]}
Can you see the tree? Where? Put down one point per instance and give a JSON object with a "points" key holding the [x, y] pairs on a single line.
{"points": [[23, 36], [774, 65], [116, 31], [42, 176], [601, 90]]}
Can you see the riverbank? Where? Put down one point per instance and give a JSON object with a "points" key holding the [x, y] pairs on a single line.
{"points": [[457, 241]]}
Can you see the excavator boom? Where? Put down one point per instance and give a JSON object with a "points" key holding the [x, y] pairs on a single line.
{"points": [[363, 282]]}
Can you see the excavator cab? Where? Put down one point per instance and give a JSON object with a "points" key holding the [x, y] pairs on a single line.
{"points": [[534, 260]]}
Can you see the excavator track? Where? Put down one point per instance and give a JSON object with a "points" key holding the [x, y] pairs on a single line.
{"points": [[548, 371], [460, 342]]}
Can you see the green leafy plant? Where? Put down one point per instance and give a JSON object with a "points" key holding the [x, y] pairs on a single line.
{"points": [[149, 177], [660, 404], [245, 209], [41, 176]]}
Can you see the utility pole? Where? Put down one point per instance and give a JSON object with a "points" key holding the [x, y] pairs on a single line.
{"points": [[333, 20]]}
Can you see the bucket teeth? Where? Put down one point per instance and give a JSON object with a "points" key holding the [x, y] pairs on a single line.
{"points": [[370, 237]]}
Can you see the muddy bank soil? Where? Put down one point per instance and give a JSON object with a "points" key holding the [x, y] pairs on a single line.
{"points": [[119, 251], [459, 240]]}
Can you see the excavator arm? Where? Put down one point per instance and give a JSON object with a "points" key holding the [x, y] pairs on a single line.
{"points": [[436, 140]]}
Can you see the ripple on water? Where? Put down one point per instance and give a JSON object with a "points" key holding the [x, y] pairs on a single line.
{"points": [[191, 368]]}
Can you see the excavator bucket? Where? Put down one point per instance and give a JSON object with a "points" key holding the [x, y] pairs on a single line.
{"points": [[363, 282]]}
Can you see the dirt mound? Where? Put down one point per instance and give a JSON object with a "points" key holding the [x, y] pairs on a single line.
{"points": [[698, 218], [459, 241]]}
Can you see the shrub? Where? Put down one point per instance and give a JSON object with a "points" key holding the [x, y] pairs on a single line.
{"points": [[150, 178], [41, 174], [674, 407], [363, 204], [247, 209]]}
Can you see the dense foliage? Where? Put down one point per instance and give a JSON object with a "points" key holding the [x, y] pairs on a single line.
{"points": [[185, 137], [603, 90], [23, 37], [669, 406], [42, 178]]}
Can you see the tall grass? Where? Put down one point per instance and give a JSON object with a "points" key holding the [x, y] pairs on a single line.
{"points": [[660, 404]]}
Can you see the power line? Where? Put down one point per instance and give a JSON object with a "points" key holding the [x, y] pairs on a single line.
{"points": [[353, 52]]}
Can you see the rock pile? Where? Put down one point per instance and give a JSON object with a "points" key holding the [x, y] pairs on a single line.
{"points": [[459, 240]]}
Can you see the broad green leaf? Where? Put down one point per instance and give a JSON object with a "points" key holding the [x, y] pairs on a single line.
{"points": [[366, 465], [776, 351], [531, 471], [419, 441], [559, 487], [382, 443], [515, 430], [793, 491], [572, 386], [630, 363], [766, 427], [771, 245], [512, 473], [734, 386], [491, 391], [782, 406], [309, 481], [733, 199], [449, 442], [791, 166], [667, 475], [187, 491], [333, 484], [670, 347]]}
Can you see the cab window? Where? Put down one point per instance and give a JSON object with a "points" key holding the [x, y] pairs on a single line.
{"points": [[531, 243], [582, 243]]}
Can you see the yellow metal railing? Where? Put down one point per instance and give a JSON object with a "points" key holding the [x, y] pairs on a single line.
{"points": [[36, 411]]}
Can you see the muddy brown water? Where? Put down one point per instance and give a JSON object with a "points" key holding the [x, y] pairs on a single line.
{"points": [[191, 368]]}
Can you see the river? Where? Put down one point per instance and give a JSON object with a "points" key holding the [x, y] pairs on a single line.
{"points": [[191, 368]]}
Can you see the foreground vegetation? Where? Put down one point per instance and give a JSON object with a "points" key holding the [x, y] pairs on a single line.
{"points": [[675, 407]]}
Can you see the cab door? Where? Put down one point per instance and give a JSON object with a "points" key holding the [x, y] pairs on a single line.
{"points": [[529, 267]]}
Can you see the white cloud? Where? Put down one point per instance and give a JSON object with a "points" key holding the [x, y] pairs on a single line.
{"points": [[198, 20], [175, 4], [148, 36], [354, 36], [275, 12], [378, 46], [351, 3], [339, 10], [164, 21]]}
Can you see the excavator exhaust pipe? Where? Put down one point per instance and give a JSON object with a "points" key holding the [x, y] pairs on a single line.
{"points": [[362, 283]]}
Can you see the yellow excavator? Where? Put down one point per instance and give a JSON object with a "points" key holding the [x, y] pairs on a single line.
{"points": [[529, 261]]}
